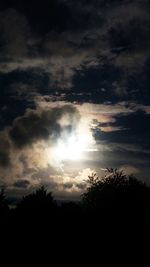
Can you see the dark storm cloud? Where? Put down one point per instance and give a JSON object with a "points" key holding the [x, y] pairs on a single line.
{"points": [[68, 185], [96, 82], [39, 125], [14, 32], [138, 84], [131, 37], [136, 130], [4, 150], [60, 37], [58, 15], [18, 90], [80, 186], [43, 16], [22, 184]]}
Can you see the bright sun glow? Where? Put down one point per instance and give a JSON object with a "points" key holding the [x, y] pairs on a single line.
{"points": [[73, 147]]}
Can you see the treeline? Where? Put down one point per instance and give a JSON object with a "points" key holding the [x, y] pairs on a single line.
{"points": [[113, 198], [112, 215]]}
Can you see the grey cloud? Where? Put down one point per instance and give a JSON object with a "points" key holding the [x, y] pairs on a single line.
{"points": [[4, 150], [131, 37], [72, 186], [42, 125], [67, 185], [45, 174], [108, 30], [22, 184], [4, 158], [81, 186], [15, 32]]}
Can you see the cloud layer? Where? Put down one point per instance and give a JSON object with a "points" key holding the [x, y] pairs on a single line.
{"points": [[65, 63]]}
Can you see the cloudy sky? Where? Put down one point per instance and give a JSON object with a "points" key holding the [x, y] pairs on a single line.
{"points": [[74, 92]]}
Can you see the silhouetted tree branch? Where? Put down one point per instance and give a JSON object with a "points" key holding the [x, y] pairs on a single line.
{"points": [[116, 192]]}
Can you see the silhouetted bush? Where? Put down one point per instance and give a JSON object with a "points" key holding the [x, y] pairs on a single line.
{"points": [[4, 208], [39, 204], [116, 199], [117, 195]]}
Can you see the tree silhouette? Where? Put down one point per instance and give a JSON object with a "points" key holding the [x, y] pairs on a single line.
{"points": [[3, 201], [37, 204], [4, 208], [117, 199], [117, 195]]}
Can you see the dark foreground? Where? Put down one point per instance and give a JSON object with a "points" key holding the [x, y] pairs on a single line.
{"points": [[113, 218]]}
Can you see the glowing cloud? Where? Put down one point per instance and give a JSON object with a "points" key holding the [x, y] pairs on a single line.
{"points": [[72, 145]]}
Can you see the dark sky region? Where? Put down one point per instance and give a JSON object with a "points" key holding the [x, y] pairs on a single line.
{"points": [[74, 92]]}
